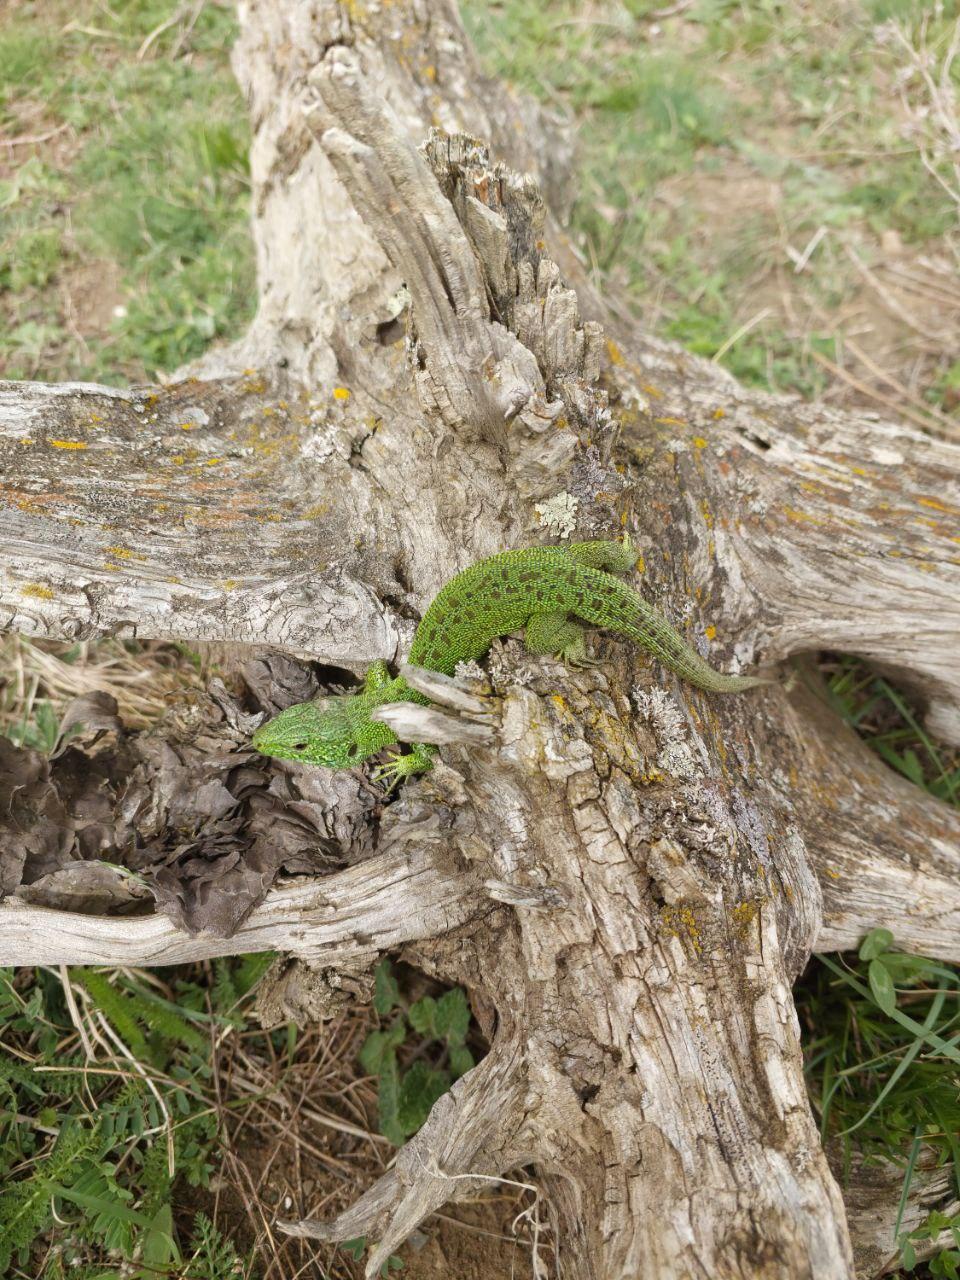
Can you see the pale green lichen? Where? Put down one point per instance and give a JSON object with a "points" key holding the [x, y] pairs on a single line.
{"points": [[559, 514]]}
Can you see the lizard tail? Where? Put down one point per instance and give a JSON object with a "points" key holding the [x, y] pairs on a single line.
{"points": [[641, 623]]}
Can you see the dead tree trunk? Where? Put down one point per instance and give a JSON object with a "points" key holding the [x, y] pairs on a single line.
{"points": [[630, 874]]}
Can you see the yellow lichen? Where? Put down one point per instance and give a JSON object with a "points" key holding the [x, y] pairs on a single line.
{"points": [[744, 914], [932, 502], [710, 633], [613, 351], [699, 442], [37, 591], [341, 393], [792, 514], [316, 511], [67, 444], [680, 922]]}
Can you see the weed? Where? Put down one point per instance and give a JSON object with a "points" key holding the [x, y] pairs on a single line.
{"points": [[407, 1096]]}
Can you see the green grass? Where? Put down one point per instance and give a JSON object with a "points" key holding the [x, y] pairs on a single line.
{"points": [[713, 141], [882, 1054], [89, 1152], [885, 718], [149, 190], [882, 1042]]}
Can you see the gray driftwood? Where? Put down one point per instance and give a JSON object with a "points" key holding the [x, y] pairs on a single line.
{"points": [[628, 875]]}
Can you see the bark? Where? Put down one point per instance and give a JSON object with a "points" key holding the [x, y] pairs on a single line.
{"points": [[626, 873]]}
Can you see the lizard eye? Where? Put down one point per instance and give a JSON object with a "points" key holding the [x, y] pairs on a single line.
{"points": [[300, 746], [354, 751]]}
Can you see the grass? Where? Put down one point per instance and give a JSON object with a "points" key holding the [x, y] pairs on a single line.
{"points": [[107, 1096], [721, 143], [752, 180], [882, 1053], [885, 718], [882, 1031], [125, 239]]}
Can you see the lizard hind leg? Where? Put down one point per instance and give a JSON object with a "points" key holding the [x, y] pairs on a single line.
{"points": [[611, 557], [556, 633]]}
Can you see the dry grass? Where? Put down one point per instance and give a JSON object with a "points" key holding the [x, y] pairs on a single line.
{"points": [[300, 1140], [142, 676]]}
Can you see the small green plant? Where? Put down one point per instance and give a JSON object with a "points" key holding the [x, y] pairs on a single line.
{"points": [[214, 1257], [406, 1096], [30, 721], [357, 1247], [39, 731], [945, 1263]]}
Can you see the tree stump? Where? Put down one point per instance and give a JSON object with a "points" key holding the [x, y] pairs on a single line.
{"points": [[627, 874]]}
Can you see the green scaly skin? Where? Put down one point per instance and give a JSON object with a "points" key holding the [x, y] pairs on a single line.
{"points": [[541, 589]]}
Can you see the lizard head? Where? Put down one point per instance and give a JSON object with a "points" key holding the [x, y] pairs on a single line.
{"points": [[319, 732]]}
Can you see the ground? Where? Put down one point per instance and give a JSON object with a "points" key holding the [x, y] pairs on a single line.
{"points": [[771, 184]]}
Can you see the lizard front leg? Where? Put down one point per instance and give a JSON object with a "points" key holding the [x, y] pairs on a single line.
{"points": [[419, 759]]}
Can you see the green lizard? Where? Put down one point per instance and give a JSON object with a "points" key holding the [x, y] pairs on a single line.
{"points": [[542, 589]]}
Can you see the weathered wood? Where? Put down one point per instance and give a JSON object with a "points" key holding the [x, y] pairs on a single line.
{"points": [[630, 873], [346, 918]]}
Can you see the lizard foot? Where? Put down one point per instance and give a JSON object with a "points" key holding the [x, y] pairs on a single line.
{"points": [[576, 656], [399, 766]]}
